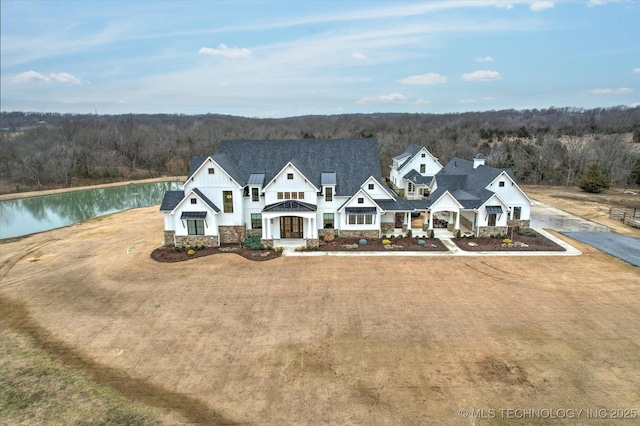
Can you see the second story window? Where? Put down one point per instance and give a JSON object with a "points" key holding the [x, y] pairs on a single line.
{"points": [[255, 195], [211, 170], [290, 176], [423, 168], [227, 201], [194, 201], [328, 194], [370, 187], [360, 200]]}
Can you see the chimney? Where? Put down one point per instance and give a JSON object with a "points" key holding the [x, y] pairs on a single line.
{"points": [[478, 161]]}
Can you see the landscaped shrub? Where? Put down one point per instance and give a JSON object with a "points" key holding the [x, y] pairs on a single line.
{"points": [[362, 242], [528, 232], [386, 242], [422, 243], [191, 252], [253, 242], [384, 236], [400, 236], [329, 237], [458, 233], [507, 241], [432, 234], [409, 233]]}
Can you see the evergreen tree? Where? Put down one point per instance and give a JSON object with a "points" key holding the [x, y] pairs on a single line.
{"points": [[594, 180], [634, 176]]}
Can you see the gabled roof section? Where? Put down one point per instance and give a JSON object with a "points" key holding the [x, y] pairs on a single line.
{"points": [[296, 168], [408, 153], [170, 200], [353, 160], [229, 166], [289, 206], [399, 205], [417, 178], [206, 200], [196, 162]]}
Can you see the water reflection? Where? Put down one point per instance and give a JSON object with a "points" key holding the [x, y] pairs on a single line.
{"points": [[36, 214]]}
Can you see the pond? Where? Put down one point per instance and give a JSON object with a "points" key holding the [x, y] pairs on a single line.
{"points": [[36, 214]]}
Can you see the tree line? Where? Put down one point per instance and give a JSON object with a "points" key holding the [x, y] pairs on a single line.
{"points": [[552, 146]]}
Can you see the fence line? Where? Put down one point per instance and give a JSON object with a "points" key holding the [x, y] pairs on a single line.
{"points": [[629, 216]]}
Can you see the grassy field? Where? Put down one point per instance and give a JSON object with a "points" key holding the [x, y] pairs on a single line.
{"points": [[223, 340]]}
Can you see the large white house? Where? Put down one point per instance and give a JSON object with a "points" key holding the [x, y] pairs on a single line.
{"points": [[302, 189]]}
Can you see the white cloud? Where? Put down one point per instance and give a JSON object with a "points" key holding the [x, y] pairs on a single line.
{"points": [[468, 101], [226, 51], [608, 91], [537, 6], [636, 70], [424, 79], [484, 59], [593, 3], [393, 98], [359, 56], [635, 104], [421, 102], [62, 77], [482, 75]]}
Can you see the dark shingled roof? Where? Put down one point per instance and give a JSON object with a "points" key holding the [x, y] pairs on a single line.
{"points": [[353, 160], [417, 178], [466, 184], [290, 206], [171, 200], [410, 152]]}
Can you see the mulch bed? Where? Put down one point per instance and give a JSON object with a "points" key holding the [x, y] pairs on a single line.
{"points": [[170, 254], [397, 244], [520, 243]]}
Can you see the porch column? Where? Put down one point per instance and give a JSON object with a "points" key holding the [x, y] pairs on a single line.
{"points": [[314, 230], [457, 220], [264, 229], [269, 237], [430, 219]]}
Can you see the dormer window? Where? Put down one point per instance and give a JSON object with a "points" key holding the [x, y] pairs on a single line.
{"points": [[255, 195], [328, 194], [289, 176]]}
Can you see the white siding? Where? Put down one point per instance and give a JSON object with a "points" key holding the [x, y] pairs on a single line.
{"points": [[511, 194], [298, 184]]}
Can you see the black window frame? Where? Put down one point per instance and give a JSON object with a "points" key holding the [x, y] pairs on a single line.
{"points": [[256, 218], [197, 225], [227, 201]]}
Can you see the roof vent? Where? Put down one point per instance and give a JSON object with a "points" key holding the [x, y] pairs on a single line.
{"points": [[478, 161]]}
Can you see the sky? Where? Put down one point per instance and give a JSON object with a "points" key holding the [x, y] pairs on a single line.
{"points": [[292, 58]]}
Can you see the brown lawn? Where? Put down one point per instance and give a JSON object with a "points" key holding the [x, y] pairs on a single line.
{"points": [[340, 340]]}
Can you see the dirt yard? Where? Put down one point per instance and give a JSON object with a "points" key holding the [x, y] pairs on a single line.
{"points": [[340, 340]]}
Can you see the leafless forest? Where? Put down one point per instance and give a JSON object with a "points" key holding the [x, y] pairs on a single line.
{"points": [[549, 146]]}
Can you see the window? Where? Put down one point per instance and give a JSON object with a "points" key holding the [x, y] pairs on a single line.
{"points": [[411, 187], [492, 219], [371, 187], [227, 201], [360, 200], [280, 195], [501, 184], [294, 195], [423, 168], [255, 195], [328, 220], [290, 176], [194, 201], [287, 195], [195, 227], [328, 194], [517, 213], [301, 195], [360, 219], [211, 170], [256, 221], [423, 155]]}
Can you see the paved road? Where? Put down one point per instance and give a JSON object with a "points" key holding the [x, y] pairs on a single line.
{"points": [[599, 236], [620, 246]]}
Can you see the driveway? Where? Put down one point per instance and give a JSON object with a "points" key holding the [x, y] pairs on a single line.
{"points": [[598, 236]]}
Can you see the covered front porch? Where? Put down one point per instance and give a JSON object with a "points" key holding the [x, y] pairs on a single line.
{"points": [[289, 223]]}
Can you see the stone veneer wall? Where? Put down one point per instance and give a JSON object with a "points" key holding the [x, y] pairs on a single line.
{"points": [[360, 234], [323, 232], [387, 227], [267, 243], [254, 232], [487, 231], [168, 237], [313, 243], [522, 224], [229, 234], [196, 240]]}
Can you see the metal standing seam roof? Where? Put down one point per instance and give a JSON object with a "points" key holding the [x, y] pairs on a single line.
{"points": [[256, 179], [193, 215], [494, 209], [289, 206], [328, 178]]}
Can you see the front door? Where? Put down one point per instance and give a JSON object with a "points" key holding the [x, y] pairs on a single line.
{"points": [[291, 227]]}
